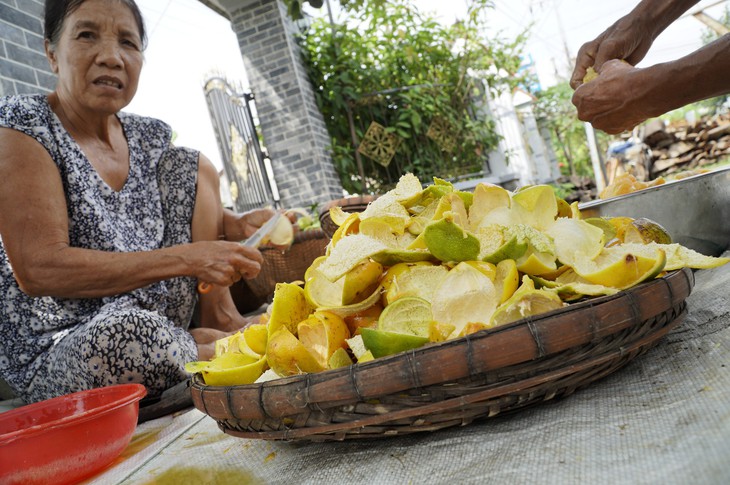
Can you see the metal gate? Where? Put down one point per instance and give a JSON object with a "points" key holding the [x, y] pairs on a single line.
{"points": [[246, 166]]}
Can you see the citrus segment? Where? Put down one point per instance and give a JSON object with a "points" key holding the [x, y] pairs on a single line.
{"points": [[287, 356], [381, 343], [535, 206], [234, 376], [447, 241], [410, 315], [323, 333], [678, 256], [464, 296], [417, 280], [643, 231], [288, 308], [348, 253], [506, 279], [525, 302], [255, 336], [487, 198], [361, 281], [283, 233], [621, 268], [576, 239], [340, 358], [366, 318]]}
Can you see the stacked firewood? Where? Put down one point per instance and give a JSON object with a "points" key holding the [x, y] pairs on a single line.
{"points": [[681, 146]]}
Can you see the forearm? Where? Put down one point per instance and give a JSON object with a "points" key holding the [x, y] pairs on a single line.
{"points": [[70, 272], [657, 15], [700, 75]]}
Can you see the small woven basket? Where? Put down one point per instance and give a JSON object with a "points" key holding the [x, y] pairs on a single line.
{"points": [[455, 382], [357, 203], [285, 266]]}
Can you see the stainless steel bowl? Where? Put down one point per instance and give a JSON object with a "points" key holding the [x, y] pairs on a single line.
{"points": [[695, 211]]}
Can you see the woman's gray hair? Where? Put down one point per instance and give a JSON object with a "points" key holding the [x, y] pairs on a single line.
{"points": [[57, 10]]}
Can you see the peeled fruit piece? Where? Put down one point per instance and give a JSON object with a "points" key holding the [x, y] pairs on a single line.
{"points": [[497, 245], [591, 74], [620, 267], [256, 336], [366, 357], [234, 376], [409, 315], [536, 206], [487, 269], [506, 279], [526, 302], [398, 269], [678, 256], [340, 358], [338, 215], [537, 263], [350, 225], [229, 369], [287, 356], [348, 253], [322, 334], [447, 241], [361, 281], [283, 233], [576, 239], [643, 231], [487, 198], [381, 343], [609, 230], [464, 296], [569, 286], [440, 331], [366, 318], [357, 346], [420, 281], [288, 308]]}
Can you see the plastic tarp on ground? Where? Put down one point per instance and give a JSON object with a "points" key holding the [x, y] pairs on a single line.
{"points": [[664, 418]]}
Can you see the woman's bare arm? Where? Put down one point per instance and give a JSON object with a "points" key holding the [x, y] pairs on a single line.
{"points": [[34, 231]]}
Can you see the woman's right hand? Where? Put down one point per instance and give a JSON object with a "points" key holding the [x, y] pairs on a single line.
{"points": [[223, 263]]}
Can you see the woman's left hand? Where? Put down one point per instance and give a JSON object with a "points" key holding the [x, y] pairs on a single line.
{"points": [[239, 226]]}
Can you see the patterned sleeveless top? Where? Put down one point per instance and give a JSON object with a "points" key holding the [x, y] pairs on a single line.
{"points": [[152, 210]]}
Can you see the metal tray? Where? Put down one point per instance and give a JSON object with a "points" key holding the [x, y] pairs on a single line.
{"points": [[695, 210]]}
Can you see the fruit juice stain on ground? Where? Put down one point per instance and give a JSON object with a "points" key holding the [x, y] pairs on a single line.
{"points": [[139, 442], [201, 439], [197, 476]]}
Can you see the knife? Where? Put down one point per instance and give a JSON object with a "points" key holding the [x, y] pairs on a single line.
{"points": [[256, 239]]}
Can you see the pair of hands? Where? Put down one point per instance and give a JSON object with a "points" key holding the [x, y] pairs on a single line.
{"points": [[614, 101], [226, 261]]}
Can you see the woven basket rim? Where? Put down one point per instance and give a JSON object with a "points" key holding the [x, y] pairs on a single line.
{"points": [[597, 320]]}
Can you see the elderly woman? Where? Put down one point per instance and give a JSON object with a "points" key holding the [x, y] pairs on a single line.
{"points": [[105, 226]]}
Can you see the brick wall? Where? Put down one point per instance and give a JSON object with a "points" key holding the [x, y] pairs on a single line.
{"points": [[23, 64], [292, 125]]}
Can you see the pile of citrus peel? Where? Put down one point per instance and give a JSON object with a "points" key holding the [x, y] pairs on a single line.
{"points": [[423, 265]]}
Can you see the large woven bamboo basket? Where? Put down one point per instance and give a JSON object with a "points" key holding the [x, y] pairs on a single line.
{"points": [[455, 382]]}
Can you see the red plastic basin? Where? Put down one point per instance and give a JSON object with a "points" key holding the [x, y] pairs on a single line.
{"points": [[68, 438]]}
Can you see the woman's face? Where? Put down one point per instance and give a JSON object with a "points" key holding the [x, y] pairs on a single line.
{"points": [[98, 57]]}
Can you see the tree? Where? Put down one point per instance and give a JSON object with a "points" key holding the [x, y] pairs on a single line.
{"points": [[392, 65], [555, 110]]}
